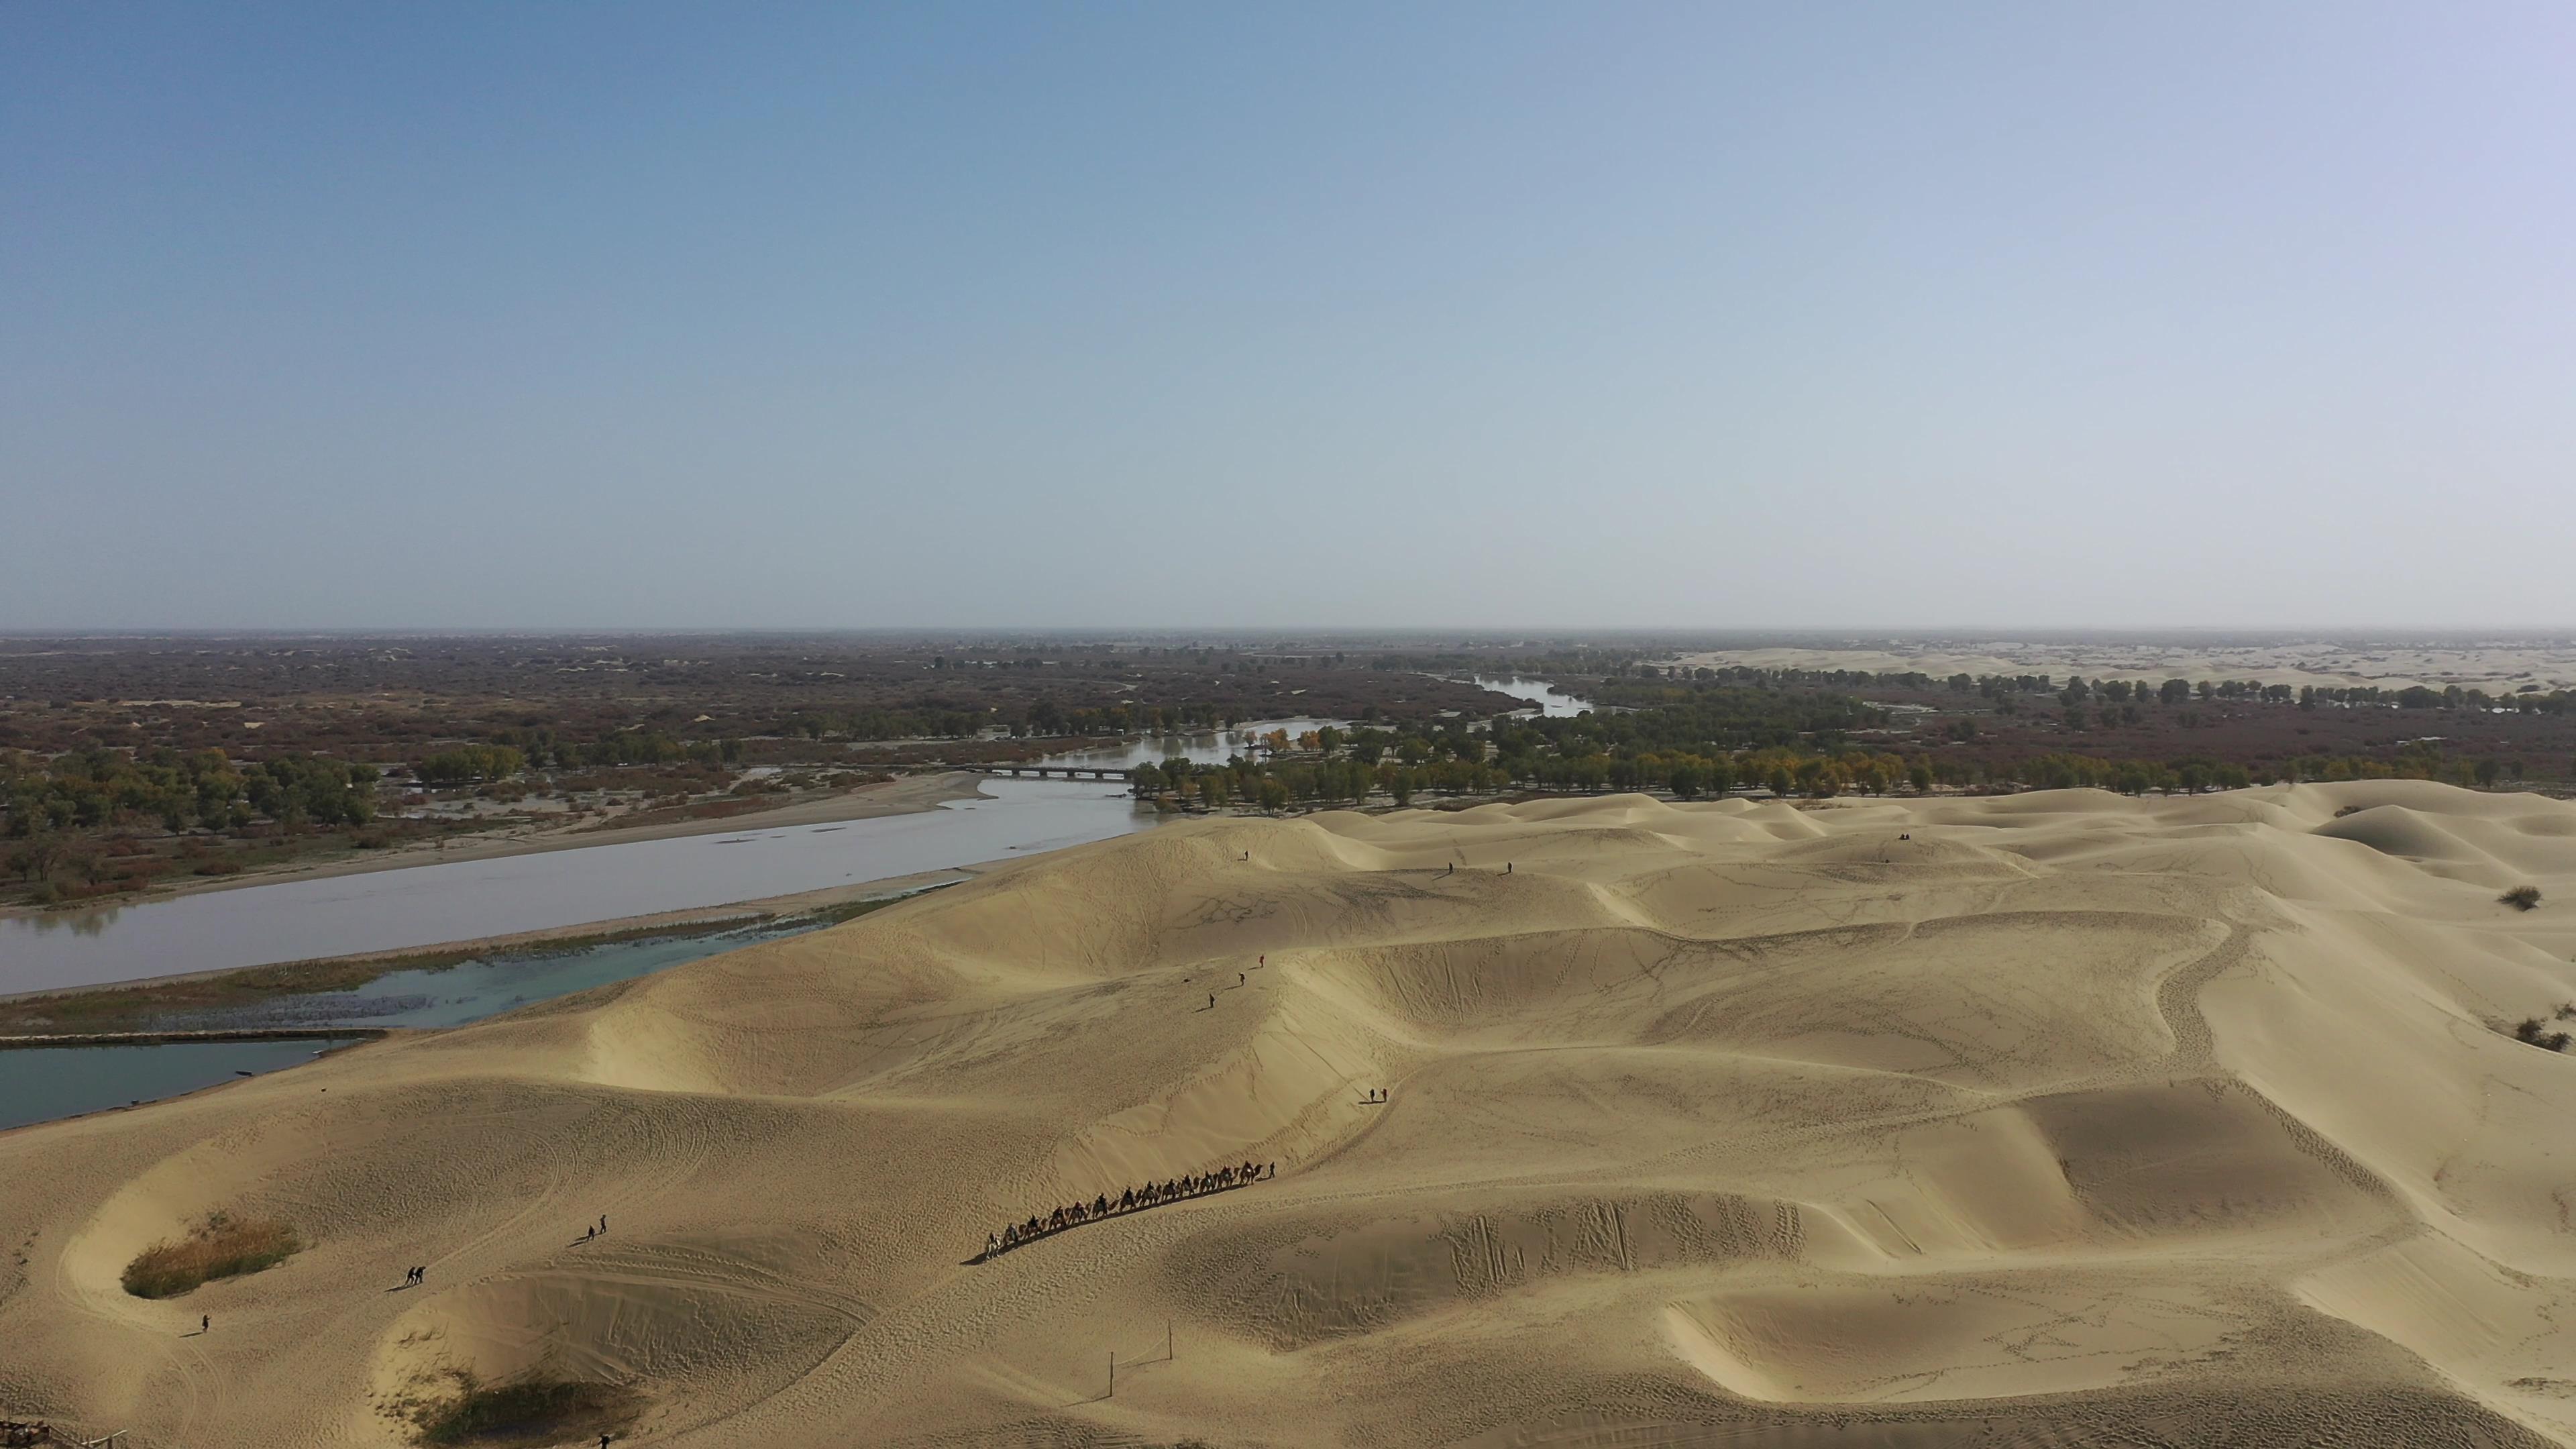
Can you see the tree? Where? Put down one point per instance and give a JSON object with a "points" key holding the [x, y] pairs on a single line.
{"points": [[470, 764], [35, 858]]}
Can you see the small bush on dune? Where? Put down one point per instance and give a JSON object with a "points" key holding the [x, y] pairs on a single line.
{"points": [[222, 1246], [2535, 1031], [532, 1409], [2521, 898]]}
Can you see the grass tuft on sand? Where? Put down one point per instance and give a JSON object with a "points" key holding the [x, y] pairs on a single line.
{"points": [[222, 1246], [2521, 897], [527, 1410]]}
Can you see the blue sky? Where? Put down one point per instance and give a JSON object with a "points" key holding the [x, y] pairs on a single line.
{"points": [[1507, 315]]}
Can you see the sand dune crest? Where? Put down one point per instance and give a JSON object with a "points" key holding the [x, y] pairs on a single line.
{"points": [[1720, 1123]]}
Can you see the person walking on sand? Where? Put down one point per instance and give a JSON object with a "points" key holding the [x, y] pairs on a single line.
{"points": [[205, 1323], [1211, 1001], [1241, 980], [603, 1225]]}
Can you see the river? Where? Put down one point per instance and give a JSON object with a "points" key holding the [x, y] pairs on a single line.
{"points": [[426, 905], [1200, 747], [433, 904], [429, 905], [43, 1083], [1544, 698]]}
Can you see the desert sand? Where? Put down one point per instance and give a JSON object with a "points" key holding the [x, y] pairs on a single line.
{"points": [[2053, 1119]]}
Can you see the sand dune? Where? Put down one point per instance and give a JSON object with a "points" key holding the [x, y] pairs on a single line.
{"points": [[2069, 1119]]}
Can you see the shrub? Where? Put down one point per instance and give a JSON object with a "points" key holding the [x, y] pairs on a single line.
{"points": [[2533, 1030], [531, 1409], [223, 1246], [2521, 897]]}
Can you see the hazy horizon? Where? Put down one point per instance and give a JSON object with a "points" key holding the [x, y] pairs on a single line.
{"points": [[1432, 317]]}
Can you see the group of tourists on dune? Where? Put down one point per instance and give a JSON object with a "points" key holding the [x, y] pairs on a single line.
{"points": [[1131, 1200]]}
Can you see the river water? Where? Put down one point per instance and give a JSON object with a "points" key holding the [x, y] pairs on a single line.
{"points": [[1545, 698], [432, 904], [426, 905], [1202, 747], [43, 1083]]}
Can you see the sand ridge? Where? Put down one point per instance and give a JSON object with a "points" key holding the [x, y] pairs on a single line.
{"points": [[2043, 1119]]}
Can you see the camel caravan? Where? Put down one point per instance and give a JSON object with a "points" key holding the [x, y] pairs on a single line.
{"points": [[1134, 1199], [13, 1433]]}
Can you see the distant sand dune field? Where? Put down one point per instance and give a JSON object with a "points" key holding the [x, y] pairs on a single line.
{"points": [[2069, 1120]]}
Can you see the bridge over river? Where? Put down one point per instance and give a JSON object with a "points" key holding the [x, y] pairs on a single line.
{"points": [[1049, 772]]}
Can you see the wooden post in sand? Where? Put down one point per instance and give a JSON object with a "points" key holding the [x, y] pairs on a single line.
{"points": [[1113, 1374]]}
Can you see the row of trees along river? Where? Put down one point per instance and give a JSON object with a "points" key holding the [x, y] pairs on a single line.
{"points": [[1702, 739]]}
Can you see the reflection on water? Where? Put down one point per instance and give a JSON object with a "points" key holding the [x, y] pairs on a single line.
{"points": [[1549, 700], [86, 922], [430, 904], [43, 1083], [1202, 747]]}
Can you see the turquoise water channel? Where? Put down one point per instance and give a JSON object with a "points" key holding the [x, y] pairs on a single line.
{"points": [[42, 1084]]}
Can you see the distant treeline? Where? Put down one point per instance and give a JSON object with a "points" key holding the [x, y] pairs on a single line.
{"points": [[2075, 690], [1042, 716], [1697, 738], [1274, 784], [86, 789], [543, 747]]}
